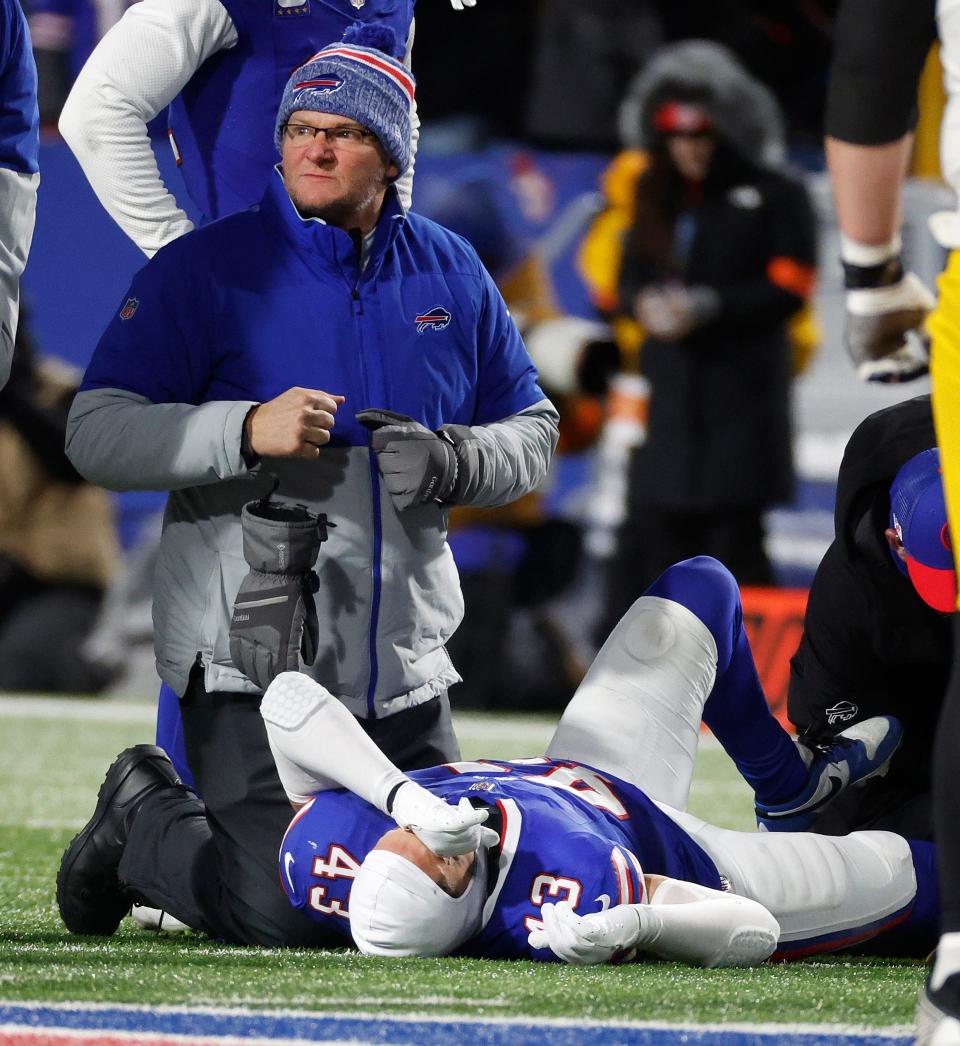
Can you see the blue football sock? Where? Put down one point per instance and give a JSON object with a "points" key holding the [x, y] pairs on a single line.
{"points": [[736, 710]]}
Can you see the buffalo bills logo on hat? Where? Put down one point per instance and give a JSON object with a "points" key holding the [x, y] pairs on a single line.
{"points": [[130, 306], [320, 84], [436, 319]]}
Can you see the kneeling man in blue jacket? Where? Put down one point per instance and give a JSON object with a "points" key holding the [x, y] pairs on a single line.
{"points": [[361, 358]]}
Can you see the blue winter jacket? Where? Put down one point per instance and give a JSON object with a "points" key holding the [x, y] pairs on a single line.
{"points": [[243, 309]]}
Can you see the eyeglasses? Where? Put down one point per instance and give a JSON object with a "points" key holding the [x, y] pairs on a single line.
{"points": [[343, 136]]}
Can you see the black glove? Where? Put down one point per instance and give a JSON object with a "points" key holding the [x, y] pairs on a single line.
{"points": [[417, 465], [274, 616]]}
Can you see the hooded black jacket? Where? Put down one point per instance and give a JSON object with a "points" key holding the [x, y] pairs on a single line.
{"points": [[719, 431], [871, 646]]}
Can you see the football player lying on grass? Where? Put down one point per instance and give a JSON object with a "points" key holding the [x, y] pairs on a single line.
{"points": [[586, 855]]}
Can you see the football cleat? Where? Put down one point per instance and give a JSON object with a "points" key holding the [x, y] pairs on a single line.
{"points": [[90, 896], [156, 920], [938, 1014], [856, 754]]}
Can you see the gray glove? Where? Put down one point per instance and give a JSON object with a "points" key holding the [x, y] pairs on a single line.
{"points": [[417, 465], [274, 617]]}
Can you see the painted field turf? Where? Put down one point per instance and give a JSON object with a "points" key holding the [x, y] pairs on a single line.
{"points": [[52, 759]]}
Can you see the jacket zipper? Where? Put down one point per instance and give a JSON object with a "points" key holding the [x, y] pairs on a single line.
{"points": [[377, 526]]}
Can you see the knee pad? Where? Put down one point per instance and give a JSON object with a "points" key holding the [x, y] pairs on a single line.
{"points": [[710, 592], [827, 892]]}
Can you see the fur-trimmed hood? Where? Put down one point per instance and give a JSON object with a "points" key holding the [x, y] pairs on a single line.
{"points": [[744, 111]]}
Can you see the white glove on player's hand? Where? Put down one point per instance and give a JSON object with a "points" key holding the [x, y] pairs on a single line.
{"points": [[447, 830], [459, 5], [585, 940], [884, 332]]}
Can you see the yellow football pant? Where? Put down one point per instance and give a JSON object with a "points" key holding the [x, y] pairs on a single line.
{"points": [[944, 325]]}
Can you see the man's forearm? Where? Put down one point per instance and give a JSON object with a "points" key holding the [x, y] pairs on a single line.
{"points": [[501, 462], [867, 180], [122, 441]]}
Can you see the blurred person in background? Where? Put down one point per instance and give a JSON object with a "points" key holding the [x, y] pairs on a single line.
{"points": [[720, 256], [786, 45], [58, 541], [19, 167]]}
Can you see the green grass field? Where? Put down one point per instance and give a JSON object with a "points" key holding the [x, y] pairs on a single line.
{"points": [[51, 763]]}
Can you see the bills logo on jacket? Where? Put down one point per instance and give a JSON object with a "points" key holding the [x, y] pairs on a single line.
{"points": [[321, 84], [129, 308], [437, 318]]}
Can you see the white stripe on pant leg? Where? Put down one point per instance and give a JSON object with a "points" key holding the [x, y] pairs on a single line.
{"points": [[814, 885], [637, 712]]}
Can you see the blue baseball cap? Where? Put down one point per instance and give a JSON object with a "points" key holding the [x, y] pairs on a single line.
{"points": [[918, 513]]}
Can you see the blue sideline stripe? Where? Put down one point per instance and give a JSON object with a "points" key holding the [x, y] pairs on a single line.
{"points": [[409, 1031]]}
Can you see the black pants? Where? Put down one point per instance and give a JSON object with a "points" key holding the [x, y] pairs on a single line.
{"points": [[213, 864], [946, 795]]}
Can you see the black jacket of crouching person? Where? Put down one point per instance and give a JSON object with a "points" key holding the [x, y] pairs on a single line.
{"points": [[871, 646]]}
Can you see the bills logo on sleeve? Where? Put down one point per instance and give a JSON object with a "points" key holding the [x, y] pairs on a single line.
{"points": [[437, 318], [129, 308]]}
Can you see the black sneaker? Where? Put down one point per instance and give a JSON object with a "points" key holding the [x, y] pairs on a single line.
{"points": [[90, 897], [938, 1014]]}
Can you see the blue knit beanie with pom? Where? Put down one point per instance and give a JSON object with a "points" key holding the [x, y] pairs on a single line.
{"points": [[360, 79]]}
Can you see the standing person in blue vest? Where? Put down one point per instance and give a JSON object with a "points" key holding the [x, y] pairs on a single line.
{"points": [[220, 66], [19, 168], [274, 341]]}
